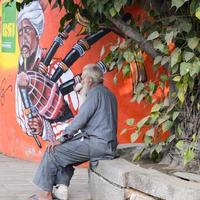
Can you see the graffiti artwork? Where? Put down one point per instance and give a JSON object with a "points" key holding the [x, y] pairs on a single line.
{"points": [[46, 100], [4, 89]]}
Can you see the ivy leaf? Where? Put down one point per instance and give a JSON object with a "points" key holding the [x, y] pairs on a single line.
{"points": [[139, 87], [175, 115], [180, 144], [119, 65], [185, 26], [165, 60], [193, 6], [181, 93], [142, 122], [169, 37], [154, 117], [195, 69], [185, 68], [175, 69], [108, 58], [188, 156], [166, 102], [164, 77], [112, 65], [188, 55], [175, 56], [177, 78], [113, 12], [178, 3], [114, 47], [129, 56], [197, 12], [150, 132], [182, 89], [118, 5], [153, 35], [152, 87], [140, 98], [158, 148], [134, 137], [167, 125], [193, 42], [179, 130], [171, 138], [147, 140], [100, 7], [126, 70], [130, 121], [139, 58], [157, 44], [157, 60], [163, 119], [156, 108]]}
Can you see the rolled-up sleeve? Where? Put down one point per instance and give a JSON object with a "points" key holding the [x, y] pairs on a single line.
{"points": [[86, 111]]}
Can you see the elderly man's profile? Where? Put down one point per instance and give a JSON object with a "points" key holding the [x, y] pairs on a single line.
{"points": [[91, 136]]}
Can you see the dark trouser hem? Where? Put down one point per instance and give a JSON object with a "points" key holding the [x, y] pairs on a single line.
{"points": [[42, 187]]}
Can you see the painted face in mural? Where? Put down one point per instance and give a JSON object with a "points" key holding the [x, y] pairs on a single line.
{"points": [[28, 39]]}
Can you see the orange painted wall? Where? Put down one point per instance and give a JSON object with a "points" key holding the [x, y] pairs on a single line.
{"points": [[13, 141]]}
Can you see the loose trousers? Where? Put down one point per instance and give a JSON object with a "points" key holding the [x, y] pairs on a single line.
{"points": [[57, 167]]}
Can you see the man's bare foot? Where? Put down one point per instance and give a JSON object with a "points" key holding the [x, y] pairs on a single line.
{"points": [[45, 196], [42, 196]]}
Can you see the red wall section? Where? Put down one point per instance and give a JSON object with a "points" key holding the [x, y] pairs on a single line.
{"points": [[13, 141]]}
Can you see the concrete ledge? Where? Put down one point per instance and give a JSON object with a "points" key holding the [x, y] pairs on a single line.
{"points": [[114, 179], [116, 171], [101, 189], [162, 185]]}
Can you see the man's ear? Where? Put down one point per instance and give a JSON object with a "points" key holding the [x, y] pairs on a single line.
{"points": [[90, 80]]}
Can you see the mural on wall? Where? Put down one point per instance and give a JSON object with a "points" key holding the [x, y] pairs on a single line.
{"points": [[34, 91], [45, 97]]}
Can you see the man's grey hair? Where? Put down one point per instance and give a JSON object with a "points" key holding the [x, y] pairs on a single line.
{"points": [[93, 71]]}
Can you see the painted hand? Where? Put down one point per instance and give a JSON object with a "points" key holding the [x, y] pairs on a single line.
{"points": [[22, 79], [36, 125]]}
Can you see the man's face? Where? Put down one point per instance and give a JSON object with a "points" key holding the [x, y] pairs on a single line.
{"points": [[85, 79], [86, 83], [28, 40]]}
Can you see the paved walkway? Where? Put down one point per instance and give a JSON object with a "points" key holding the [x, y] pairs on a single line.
{"points": [[16, 184]]}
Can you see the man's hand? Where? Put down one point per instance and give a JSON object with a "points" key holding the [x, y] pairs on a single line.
{"points": [[51, 145], [36, 124]]}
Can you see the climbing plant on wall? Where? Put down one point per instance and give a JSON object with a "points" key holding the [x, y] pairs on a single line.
{"points": [[170, 35]]}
